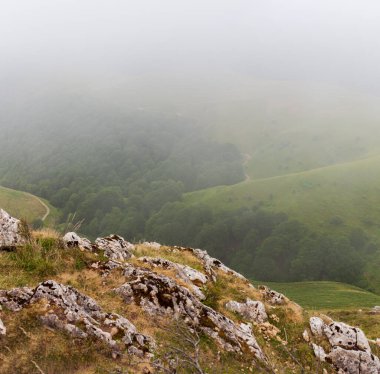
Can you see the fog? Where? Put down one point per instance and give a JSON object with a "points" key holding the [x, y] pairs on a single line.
{"points": [[334, 41]]}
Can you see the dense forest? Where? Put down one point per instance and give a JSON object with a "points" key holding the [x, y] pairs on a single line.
{"points": [[127, 172]]}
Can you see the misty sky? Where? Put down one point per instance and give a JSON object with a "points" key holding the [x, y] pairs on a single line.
{"points": [[330, 40]]}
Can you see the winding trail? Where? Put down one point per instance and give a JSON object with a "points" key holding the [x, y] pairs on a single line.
{"points": [[46, 215]]}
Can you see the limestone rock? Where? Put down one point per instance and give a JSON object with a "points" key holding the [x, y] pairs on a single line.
{"points": [[190, 276], [319, 352], [3, 330], [272, 297], [306, 336], [317, 326], [345, 336], [70, 309], [73, 240], [152, 245], [354, 362], [160, 295], [10, 236], [115, 247], [253, 311]]}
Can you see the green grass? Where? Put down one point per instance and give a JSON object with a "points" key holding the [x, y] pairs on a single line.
{"points": [[326, 295], [23, 205]]}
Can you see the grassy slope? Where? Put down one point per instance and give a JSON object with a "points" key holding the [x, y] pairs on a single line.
{"points": [[350, 191], [327, 295], [21, 204]]}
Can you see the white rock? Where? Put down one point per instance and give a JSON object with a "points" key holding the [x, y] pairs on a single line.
{"points": [[319, 352], [253, 311], [317, 325], [115, 247], [345, 336], [10, 236], [306, 336], [272, 297], [3, 329], [152, 245], [72, 240]]}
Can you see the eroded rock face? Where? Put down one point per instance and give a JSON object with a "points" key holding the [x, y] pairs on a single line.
{"points": [[252, 311], [354, 362], [73, 240], [188, 275], [115, 247], [345, 336], [158, 294], [10, 236], [272, 297], [69, 309]]}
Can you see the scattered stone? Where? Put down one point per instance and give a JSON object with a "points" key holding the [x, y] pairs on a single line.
{"points": [[345, 336], [272, 297], [10, 235], [115, 247], [73, 240], [306, 336], [354, 362], [188, 275], [69, 309], [317, 325], [319, 352], [376, 309], [252, 311], [160, 295]]}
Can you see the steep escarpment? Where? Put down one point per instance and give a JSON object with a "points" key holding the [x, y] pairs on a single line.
{"points": [[72, 306]]}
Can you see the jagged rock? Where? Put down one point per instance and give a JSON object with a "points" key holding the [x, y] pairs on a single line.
{"points": [[354, 362], [319, 352], [72, 308], [158, 294], [73, 240], [10, 236], [152, 245], [115, 247], [253, 311], [190, 276], [316, 326], [3, 329], [341, 335], [272, 297]]}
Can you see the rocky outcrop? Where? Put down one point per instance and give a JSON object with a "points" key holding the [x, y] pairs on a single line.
{"points": [[73, 240], [10, 235], [115, 247], [79, 315], [272, 297], [160, 295], [191, 277], [350, 350], [252, 311]]}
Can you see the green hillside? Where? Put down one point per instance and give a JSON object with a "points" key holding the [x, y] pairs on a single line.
{"points": [[25, 205], [327, 295], [332, 198]]}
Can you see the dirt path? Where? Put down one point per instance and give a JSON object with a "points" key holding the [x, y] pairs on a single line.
{"points": [[46, 215], [247, 158]]}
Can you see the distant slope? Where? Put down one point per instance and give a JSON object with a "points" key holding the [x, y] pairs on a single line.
{"points": [[332, 198], [326, 295], [25, 205]]}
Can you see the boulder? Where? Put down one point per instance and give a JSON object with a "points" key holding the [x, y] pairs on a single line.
{"points": [[73, 240], [316, 326], [78, 315], [252, 311], [191, 277], [10, 235], [354, 362], [341, 335], [160, 295], [272, 297], [115, 247]]}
